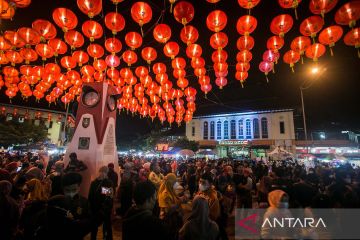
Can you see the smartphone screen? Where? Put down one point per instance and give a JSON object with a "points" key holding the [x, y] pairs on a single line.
{"points": [[18, 169], [106, 190]]}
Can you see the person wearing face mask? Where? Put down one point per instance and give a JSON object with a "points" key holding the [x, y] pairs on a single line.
{"points": [[74, 202], [101, 201], [139, 222], [207, 190]]}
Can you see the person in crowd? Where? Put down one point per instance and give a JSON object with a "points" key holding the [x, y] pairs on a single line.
{"points": [[75, 165], [244, 188], [113, 176], [55, 178], [207, 190], [199, 225], [139, 222], [263, 188], [126, 189], [9, 212], [155, 175], [101, 202], [303, 192]]}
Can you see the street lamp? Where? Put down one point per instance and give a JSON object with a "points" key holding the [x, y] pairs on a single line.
{"points": [[316, 73]]}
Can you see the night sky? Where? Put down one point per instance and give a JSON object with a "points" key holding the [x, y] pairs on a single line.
{"points": [[332, 100]]}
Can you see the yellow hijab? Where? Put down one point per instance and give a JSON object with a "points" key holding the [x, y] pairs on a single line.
{"points": [[167, 195]]}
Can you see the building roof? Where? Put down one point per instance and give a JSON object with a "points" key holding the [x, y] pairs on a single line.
{"points": [[243, 113]]}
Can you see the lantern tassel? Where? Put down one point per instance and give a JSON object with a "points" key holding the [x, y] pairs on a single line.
{"points": [[358, 53], [296, 14], [171, 8], [273, 70], [331, 52], [142, 32], [292, 69], [302, 60], [267, 79], [242, 85]]}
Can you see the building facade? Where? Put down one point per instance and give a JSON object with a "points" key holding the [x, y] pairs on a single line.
{"points": [[251, 134], [53, 120]]}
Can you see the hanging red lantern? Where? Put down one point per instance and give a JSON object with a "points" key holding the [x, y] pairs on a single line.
{"points": [[115, 22], [244, 56], [45, 28], [242, 66], [281, 24], [68, 62], [245, 43], [248, 4], [184, 12], [352, 38], [112, 61], [44, 51], [162, 33], [113, 45], [246, 24], [203, 80], [58, 46], [14, 39], [141, 13], [216, 20], [90, 7], [7, 11], [178, 63], [311, 26], [80, 57], [221, 82], [218, 40], [199, 72], [133, 40], [348, 14], [291, 57], [30, 36], [290, 4], [28, 54], [315, 51], [189, 34], [95, 50], [241, 76], [220, 67], [194, 51], [14, 57], [179, 73], [92, 30], [330, 35], [65, 18], [171, 49], [300, 44], [25, 70], [149, 54], [275, 43], [126, 73], [271, 56], [322, 6], [159, 68], [4, 44], [129, 57], [197, 62], [182, 83], [74, 39], [266, 67], [87, 70], [219, 56], [141, 71]]}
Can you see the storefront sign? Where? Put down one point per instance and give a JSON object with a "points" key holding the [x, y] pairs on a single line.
{"points": [[234, 142]]}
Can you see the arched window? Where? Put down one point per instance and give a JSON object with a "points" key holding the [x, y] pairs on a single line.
{"points": [[248, 128], [212, 130], [226, 130], [218, 130], [232, 129], [206, 130], [256, 128], [241, 129], [264, 128]]}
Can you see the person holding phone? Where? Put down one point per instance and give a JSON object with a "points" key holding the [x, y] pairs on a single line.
{"points": [[101, 196]]}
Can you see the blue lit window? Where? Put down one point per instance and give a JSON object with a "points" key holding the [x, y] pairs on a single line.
{"points": [[212, 130], [206, 130], [218, 130], [233, 129], [248, 128], [226, 130], [256, 128], [241, 129]]}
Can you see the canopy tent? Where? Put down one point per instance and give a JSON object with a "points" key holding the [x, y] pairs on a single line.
{"points": [[186, 153], [279, 153]]}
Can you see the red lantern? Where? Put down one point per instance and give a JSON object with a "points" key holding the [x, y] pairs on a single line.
{"points": [[330, 35], [197, 62], [4, 44], [348, 14], [271, 56], [179, 73], [58, 46], [221, 82], [218, 40], [184, 12], [219, 56], [290, 4], [300, 44], [162, 33], [141, 13], [159, 68], [178, 63], [220, 67], [29, 35], [182, 83], [7, 11], [149, 54], [245, 43], [45, 28], [90, 7], [281, 24], [113, 45], [322, 6], [133, 40], [65, 18], [248, 4], [244, 56], [87, 70], [141, 71], [189, 34], [311, 26], [80, 57], [115, 22], [44, 51], [275, 43], [14, 39], [291, 57], [129, 57], [171, 49], [68, 62], [92, 30], [352, 38], [74, 39], [241, 76], [194, 51], [126, 73], [242, 67], [112, 61], [315, 51], [246, 25], [266, 67], [14, 57], [28, 54], [95, 50], [216, 20]]}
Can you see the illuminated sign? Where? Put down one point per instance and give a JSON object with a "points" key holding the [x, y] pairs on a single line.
{"points": [[234, 142]]}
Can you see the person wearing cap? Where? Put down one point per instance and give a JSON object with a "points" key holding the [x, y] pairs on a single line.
{"points": [[75, 165]]}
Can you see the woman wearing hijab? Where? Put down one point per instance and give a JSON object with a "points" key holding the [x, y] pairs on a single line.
{"points": [[199, 226]]}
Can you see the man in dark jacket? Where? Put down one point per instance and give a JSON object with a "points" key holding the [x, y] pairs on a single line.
{"points": [[140, 223]]}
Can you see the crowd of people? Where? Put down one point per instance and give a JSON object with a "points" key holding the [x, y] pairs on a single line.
{"points": [[159, 198]]}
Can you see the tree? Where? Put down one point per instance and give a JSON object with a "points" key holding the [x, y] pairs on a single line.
{"points": [[13, 132], [184, 143]]}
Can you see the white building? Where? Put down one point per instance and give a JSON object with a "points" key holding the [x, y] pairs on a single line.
{"points": [[247, 133]]}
